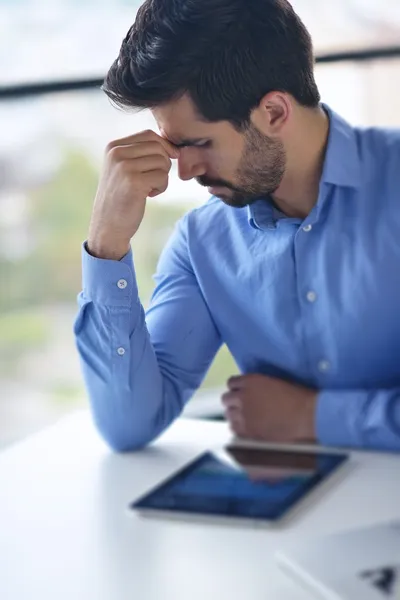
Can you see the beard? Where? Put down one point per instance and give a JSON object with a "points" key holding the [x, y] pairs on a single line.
{"points": [[260, 172]]}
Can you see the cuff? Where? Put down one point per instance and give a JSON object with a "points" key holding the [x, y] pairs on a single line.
{"points": [[336, 418], [109, 282]]}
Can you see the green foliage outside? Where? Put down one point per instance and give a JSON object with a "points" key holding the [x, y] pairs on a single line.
{"points": [[51, 274], [20, 331]]}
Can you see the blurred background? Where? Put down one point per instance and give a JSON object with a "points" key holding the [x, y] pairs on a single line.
{"points": [[51, 148]]}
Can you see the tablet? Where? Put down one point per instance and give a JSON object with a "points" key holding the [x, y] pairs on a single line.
{"points": [[241, 482]]}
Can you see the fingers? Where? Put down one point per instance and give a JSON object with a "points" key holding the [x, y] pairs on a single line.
{"points": [[138, 150], [241, 382], [145, 137], [236, 422], [231, 400], [156, 181], [233, 412], [172, 151], [145, 164], [236, 383], [132, 155]]}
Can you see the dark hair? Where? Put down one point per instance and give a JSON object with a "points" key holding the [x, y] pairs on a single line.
{"points": [[226, 54]]}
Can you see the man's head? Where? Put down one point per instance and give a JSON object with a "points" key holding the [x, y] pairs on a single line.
{"points": [[221, 77]]}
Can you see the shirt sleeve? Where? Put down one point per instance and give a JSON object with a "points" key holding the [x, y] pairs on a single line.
{"points": [[140, 369], [360, 419]]}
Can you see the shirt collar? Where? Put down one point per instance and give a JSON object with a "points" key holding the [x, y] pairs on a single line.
{"points": [[261, 214], [342, 167]]}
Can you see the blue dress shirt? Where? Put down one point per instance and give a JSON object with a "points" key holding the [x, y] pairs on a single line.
{"points": [[314, 301]]}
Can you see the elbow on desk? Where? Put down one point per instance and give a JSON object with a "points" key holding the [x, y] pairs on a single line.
{"points": [[124, 435], [122, 442], [126, 428], [120, 425], [121, 445]]}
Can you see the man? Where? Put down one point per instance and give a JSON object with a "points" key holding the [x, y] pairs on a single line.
{"points": [[294, 262]]}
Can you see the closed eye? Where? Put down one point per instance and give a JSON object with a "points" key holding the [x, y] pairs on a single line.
{"points": [[194, 144], [205, 144]]}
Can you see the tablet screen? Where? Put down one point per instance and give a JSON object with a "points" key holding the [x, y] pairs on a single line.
{"points": [[242, 482]]}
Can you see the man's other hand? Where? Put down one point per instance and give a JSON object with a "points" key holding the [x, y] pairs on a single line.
{"points": [[264, 408]]}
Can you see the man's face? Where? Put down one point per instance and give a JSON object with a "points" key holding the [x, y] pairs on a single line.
{"points": [[238, 167]]}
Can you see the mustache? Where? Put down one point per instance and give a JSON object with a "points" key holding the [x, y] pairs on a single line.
{"points": [[207, 182]]}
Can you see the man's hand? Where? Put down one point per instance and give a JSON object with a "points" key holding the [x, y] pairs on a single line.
{"points": [[264, 408], [135, 168]]}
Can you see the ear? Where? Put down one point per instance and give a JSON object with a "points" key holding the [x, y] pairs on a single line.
{"points": [[273, 113]]}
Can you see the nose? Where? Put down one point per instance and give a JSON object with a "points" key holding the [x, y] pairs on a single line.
{"points": [[190, 164]]}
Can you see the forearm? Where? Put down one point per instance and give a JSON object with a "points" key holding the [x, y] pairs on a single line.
{"points": [[360, 419], [132, 402], [139, 369]]}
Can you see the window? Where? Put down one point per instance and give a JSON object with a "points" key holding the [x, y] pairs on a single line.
{"points": [[51, 149]]}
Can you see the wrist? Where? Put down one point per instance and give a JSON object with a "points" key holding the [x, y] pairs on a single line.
{"points": [[104, 249]]}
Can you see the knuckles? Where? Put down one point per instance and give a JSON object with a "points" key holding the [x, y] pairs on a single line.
{"points": [[114, 153]]}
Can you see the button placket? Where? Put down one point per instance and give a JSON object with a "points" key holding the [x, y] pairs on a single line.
{"points": [[316, 351]]}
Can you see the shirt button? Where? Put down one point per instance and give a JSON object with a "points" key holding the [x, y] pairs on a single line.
{"points": [[122, 284], [311, 296], [307, 228], [324, 366], [121, 351]]}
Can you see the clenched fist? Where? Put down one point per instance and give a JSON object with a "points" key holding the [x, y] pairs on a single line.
{"points": [[268, 409], [135, 168]]}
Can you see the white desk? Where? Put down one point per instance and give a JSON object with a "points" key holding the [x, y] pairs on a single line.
{"points": [[65, 533]]}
